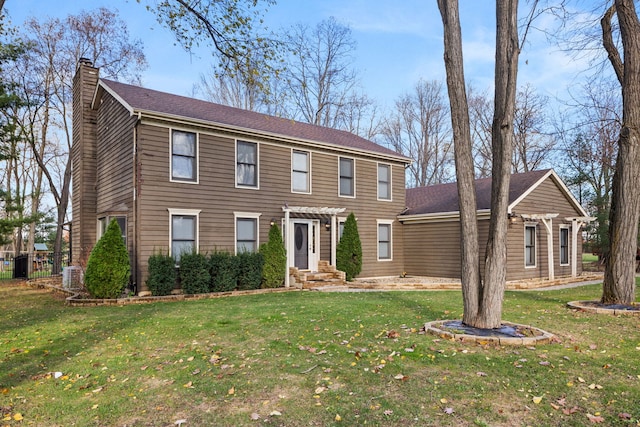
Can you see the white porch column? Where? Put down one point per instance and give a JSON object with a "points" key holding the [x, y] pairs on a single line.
{"points": [[548, 224], [286, 237], [334, 232], [576, 225]]}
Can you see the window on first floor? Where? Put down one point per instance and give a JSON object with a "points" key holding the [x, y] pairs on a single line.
{"points": [[564, 246], [384, 241], [183, 232], [247, 232], [530, 245], [104, 221], [184, 161]]}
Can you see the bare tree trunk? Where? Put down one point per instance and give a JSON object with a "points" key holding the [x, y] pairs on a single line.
{"points": [[619, 279], [470, 275], [507, 51]]}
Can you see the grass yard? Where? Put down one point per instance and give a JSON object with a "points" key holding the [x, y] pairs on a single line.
{"points": [[310, 359]]}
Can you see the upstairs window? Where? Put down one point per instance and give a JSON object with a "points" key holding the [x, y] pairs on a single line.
{"points": [[184, 162], [384, 182], [347, 177], [300, 172], [247, 164]]}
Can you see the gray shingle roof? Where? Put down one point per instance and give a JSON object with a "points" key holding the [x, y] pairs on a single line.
{"points": [[444, 197], [144, 100]]}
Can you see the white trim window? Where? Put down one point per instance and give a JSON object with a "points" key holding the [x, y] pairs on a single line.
{"points": [[564, 245], [530, 245], [384, 181], [247, 171], [103, 223], [385, 240], [300, 171], [346, 177], [247, 231], [184, 156], [183, 232]]}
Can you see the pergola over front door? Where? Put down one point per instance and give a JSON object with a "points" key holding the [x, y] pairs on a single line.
{"points": [[309, 211]]}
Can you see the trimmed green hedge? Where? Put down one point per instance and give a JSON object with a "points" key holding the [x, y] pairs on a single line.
{"points": [[162, 274], [194, 273], [223, 270], [249, 270]]}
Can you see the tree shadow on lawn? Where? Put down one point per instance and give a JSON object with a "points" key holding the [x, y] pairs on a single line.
{"points": [[22, 363]]}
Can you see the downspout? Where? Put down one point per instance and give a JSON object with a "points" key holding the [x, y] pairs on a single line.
{"points": [[134, 244]]}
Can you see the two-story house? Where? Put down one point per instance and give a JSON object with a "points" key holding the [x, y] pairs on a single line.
{"points": [[180, 174]]}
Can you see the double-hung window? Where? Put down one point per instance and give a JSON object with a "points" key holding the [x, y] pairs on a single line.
{"points": [[183, 231], [384, 182], [246, 164], [104, 221], [247, 232], [347, 177], [184, 159], [300, 171], [564, 246], [384, 241], [530, 245]]}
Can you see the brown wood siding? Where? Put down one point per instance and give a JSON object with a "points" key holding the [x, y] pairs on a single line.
{"points": [[217, 197], [433, 248]]}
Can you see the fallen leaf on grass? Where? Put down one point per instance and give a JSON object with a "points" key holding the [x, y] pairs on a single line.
{"points": [[388, 412], [255, 416], [320, 390], [594, 386], [569, 411], [481, 374], [401, 377], [275, 413], [595, 419], [448, 411], [18, 417], [232, 391], [624, 416], [338, 418], [537, 399], [393, 334]]}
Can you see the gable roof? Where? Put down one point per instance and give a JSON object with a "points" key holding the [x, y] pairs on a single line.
{"points": [[443, 198], [148, 102]]}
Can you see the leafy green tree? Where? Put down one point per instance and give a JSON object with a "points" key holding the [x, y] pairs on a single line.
{"points": [[349, 249], [275, 259], [108, 266]]}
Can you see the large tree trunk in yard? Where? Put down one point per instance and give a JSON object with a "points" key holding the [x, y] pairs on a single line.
{"points": [[506, 72], [483, 298], [470, 266], [619, 278]]}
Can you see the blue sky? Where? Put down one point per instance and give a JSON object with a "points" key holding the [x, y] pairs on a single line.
{"points": [[398, 42]]}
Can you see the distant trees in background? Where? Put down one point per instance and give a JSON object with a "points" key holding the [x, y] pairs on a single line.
{"points": [[42, 121]]}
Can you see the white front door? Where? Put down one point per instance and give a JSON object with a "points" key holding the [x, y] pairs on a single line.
{"points": [[304, 243]]}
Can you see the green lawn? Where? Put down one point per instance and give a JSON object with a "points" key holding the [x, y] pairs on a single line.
{"points": [[310, 359]]}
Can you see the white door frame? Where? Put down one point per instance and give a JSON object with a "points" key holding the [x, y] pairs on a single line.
{"points": [[313, 240]]}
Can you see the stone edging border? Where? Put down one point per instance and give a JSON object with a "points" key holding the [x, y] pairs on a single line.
{"points": [[544, 337], [584, 306], [74, 299]]}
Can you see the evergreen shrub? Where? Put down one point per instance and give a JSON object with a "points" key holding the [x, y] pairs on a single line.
{"points": [[249, 270], [194, 273], [162, 274], [275, 259], [108, 267], [223, 271], [349, 249]]}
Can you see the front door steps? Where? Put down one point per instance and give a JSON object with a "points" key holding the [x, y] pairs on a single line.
{"points": [[327, 275]]}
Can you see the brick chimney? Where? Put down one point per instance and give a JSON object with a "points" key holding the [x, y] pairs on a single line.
{"points": [[83, 160]]}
